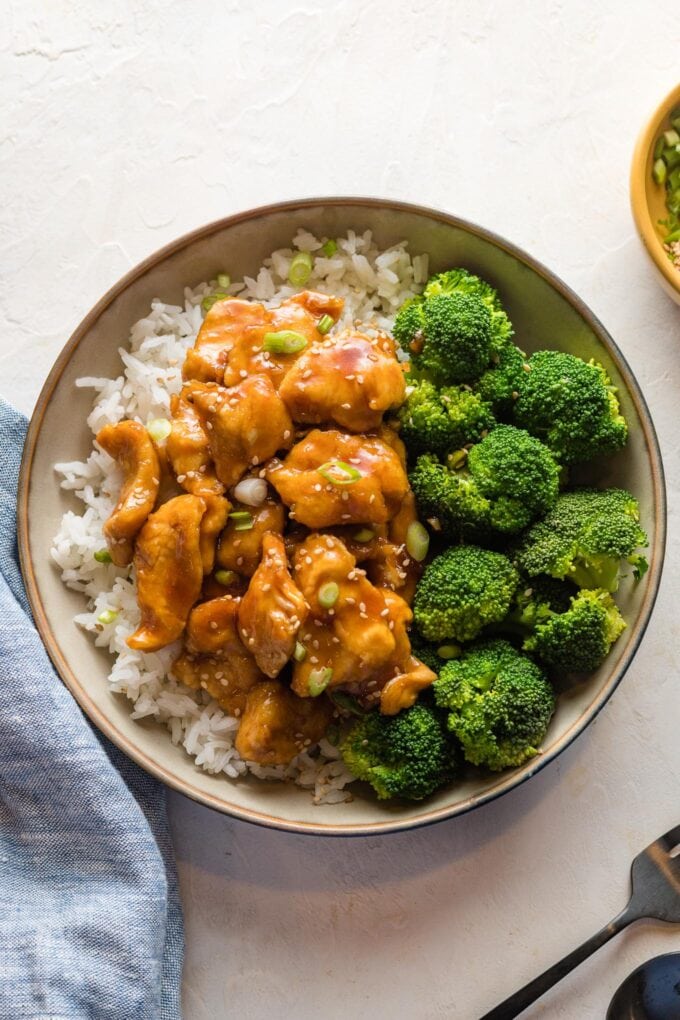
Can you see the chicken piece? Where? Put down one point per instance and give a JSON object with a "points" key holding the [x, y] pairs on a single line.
{"points": [[402, 690], [217, 510], [389, 564], [352, 637], [241, 550], [188, 449], [169, 571], [272, 609], [334, 478], [213, 626], [130, 445], [277, 725], [230, 341], [246, 424], [350, 380]]}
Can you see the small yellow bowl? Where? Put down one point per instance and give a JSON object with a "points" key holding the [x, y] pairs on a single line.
{"points": [[648, 199]]}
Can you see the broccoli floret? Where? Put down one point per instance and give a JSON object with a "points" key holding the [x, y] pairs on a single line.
{"points": [[500, 384], [571, 405], [500, 704], [510, 479], [572, 638], [448, 337], [517, 474], [460, 281], [408, 755], [585, 538], [438, 421], [461, 591]]}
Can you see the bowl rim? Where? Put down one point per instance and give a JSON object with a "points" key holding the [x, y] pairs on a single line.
{"points": [[639, 171], [511, 779]]}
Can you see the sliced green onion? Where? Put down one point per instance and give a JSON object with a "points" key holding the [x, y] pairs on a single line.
{"points": [[225, 577], [223, 280], [159, 429], [300, 652], [243, 520], [448, 651], [659, 171], [108, 616], [103, 556], [329, 248], [363, 535], [210, 299], [417, 541], [344, 700], [339, 473], [244, 525], [324, 324], [300, 269], [329, 594], [319, 680], [671, 137], [659, 147], [286, 341]]}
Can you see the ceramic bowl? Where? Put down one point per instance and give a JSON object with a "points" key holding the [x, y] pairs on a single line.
{"points": [[544, 312], [647, 198]]}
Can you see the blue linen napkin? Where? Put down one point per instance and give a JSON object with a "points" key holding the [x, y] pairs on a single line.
{"points": [[90, 919]]}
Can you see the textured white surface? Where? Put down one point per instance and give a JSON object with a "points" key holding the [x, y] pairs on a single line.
{"points": [[126, 124]]}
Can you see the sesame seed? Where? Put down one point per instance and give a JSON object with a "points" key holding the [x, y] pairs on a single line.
{"points": [[213, 624], [243, 373], [286, 434]]}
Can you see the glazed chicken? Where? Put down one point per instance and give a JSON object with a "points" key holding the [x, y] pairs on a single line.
{"points": [[334, 478], [130, 445], [216, 511], [277, 725], [246, 424], [229, 345], [241, 550], [188, 449], [350, 379], [215, 659], [169, 571], [272, 610]]}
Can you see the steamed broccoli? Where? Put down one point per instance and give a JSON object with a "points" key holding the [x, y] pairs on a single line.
{"points": [[500, 384], [439, 421], [571, 631], [406, 755], [571, 405], [460, 281], [500, 704], [448, 337], [584, 538], [461, 591], [511, 478]]}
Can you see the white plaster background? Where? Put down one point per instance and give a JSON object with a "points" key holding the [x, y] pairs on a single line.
{"points": [[123, 125]]}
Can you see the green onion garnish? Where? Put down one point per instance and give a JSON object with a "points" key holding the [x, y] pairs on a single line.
{"points": [[417, 541], [659, 171], [159, 429], [300, 652], [108, 616], [103, 556], [328, 594], [339, 473], [344, 700], [319, 680], [300, 269], [363, 535], [671, 137], [223, 280], [324, 324], [286, 341], [243, 520], [448, 651], [240, 515], [210, 299], [329, 248], [225, 577]]}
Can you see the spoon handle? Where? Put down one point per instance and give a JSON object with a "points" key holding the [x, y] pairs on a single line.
{"points": [[518, 1002]]}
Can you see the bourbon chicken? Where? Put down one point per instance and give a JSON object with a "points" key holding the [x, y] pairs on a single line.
{"points": [[283, 566]]}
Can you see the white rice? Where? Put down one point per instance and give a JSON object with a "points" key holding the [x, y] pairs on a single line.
{"points": [[374, 284]]}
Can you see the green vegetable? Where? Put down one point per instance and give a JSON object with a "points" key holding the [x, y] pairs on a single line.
{"points": [[364, 535], [243, 520], [499, 385], [300, 269], [103, 556], [300, 652], [463, 590], [571, 405], [107, 616], [659, 171], [225, 577], [440, 420], [451, 498], [339, 473], [210, 299], [159, 429], [329, 248], [223, 280], [448, 651], [286, 341], [586, 537], [408, 755], [319, 680], [328, 594], [324, 324], [666, 172], [448, 336], [499, 702], [347, 702], [417, 541]]}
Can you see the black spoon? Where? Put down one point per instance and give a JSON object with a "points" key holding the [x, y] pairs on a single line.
{"points": [[652, 992]]}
